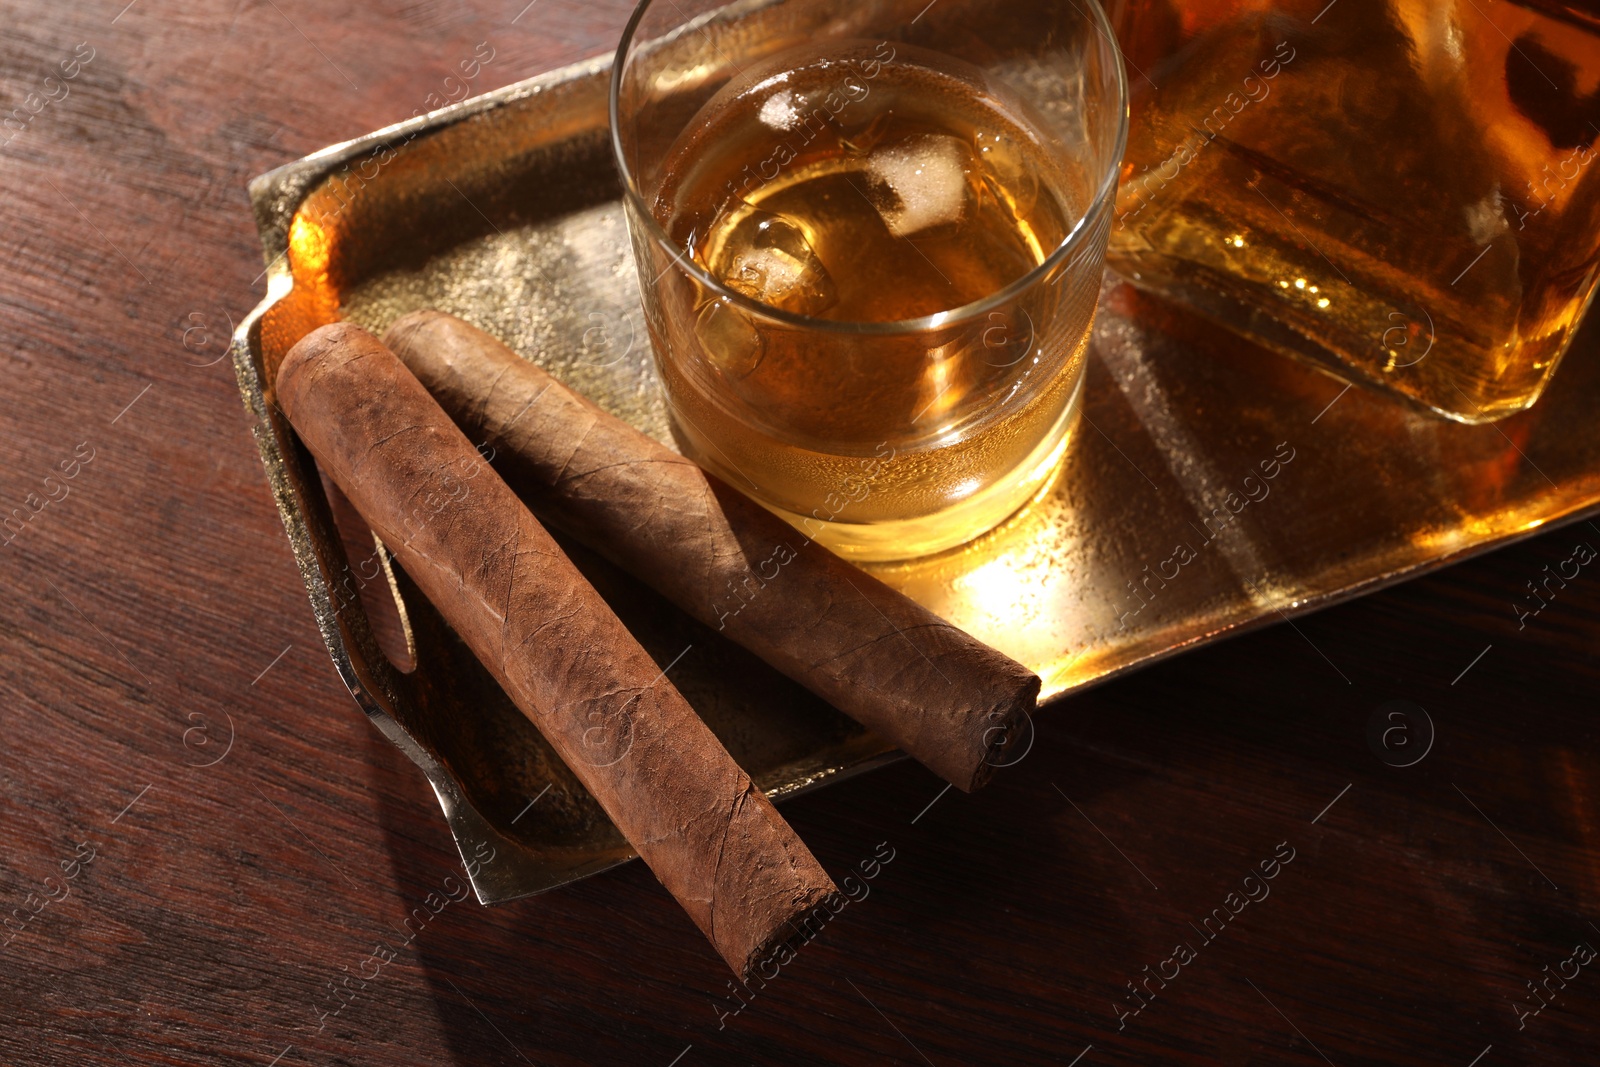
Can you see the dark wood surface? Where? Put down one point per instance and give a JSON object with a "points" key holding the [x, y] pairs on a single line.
{"points": [[169, 709]]}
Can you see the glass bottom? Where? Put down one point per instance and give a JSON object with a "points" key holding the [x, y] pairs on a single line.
{"points": [[925, 535]]}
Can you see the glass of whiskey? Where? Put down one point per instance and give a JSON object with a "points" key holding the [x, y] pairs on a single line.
{"points": [[870, 239], [1402, 191]]}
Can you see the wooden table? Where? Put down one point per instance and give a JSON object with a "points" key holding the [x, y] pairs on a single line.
{"points": [[203, 833]]}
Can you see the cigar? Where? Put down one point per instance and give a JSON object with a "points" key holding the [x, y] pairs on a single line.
{"points": [[712, 838], [945, 698]]}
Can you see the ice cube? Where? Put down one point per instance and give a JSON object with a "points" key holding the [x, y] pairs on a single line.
{"points": [[1006, 172], [779, 112], [729, 339], [768, 258], [923, 181]]}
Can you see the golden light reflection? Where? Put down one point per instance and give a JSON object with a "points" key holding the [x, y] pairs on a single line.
{"points": [[310, 253], [999, 588], [310, 250], [672, 80]]}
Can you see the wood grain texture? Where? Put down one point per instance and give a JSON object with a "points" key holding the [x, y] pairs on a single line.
{"points": [[154, 623]]}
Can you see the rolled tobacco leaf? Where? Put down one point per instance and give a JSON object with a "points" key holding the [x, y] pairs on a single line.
{"points": [[711, 837], [950, 701]]}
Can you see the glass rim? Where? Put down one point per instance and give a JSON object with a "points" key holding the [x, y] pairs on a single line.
{"points": [[1061, 253]]}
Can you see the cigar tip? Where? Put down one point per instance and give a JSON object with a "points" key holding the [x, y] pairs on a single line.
{"points": [[1009, 740], [420, 315], [781, 946], [310, 350], [406, 326]]}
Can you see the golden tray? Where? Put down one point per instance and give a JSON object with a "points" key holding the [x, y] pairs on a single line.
{"points": [[1213, 487]]}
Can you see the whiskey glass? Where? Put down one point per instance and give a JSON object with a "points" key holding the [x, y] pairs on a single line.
{"points": [[870, 239]]}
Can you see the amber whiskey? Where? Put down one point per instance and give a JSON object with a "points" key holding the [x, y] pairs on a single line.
{"points": [[866, 186]]}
